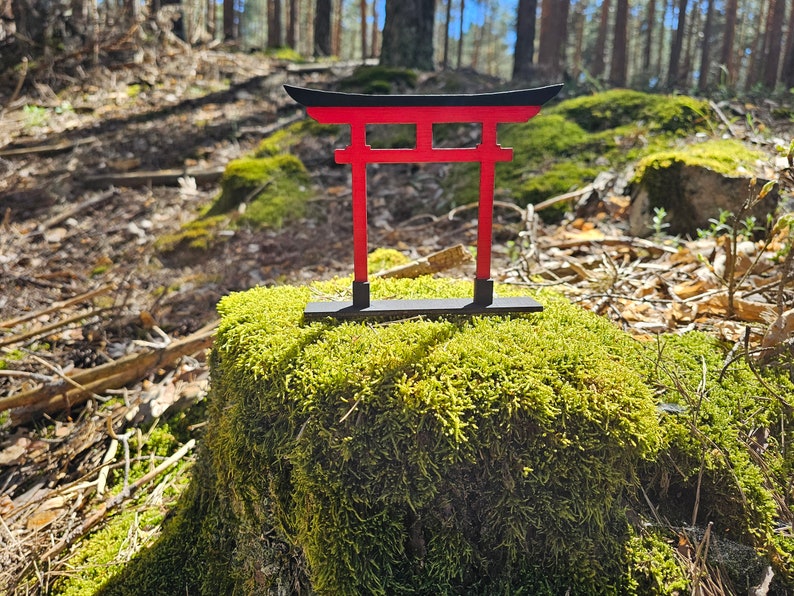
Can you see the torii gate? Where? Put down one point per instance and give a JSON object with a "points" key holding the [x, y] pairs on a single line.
{"points": [[423, 111]]}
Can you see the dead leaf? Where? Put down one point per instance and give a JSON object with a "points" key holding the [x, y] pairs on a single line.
{"points": [[779, 331], [744, 310], [41, 519], [14, 453], [691, 288]]}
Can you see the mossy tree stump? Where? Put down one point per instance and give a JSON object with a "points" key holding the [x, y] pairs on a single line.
{"points": [[494, 455]]}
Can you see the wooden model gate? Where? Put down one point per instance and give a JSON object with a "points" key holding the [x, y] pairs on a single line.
{"points": [[422, 111]]}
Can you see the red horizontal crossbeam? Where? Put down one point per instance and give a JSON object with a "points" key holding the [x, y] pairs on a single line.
{"points": [[423, 114], [367, 154]]}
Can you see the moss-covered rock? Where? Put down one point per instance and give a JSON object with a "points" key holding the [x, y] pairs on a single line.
{"points": [[694, 183], [275, 189], [566, 146], [379, 79], [466, 455]]}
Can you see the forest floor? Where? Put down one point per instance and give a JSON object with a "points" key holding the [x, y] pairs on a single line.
{"points": [[83, 286]]}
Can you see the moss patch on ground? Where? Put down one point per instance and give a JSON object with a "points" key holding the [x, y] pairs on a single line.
{"points": [[467, 455], [725, 156], [566, 146]]}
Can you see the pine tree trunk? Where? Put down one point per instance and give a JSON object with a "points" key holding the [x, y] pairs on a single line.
{"points": [[619, 67], [788, 62], [322, 28], [362, 8], [337, 40], [274, 24], [525, 39], [445, 59], [408, 34], [774, 45], [373, 44], [650, 21], [553, 35], [460, 33], [598, 62], [292, 23], [673, 72], [726, 56], [705, 53], [229, 32]]}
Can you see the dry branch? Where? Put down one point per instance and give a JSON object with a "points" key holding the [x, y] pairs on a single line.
{"points": [[15, 339], [438, 261], [54, 397], [153, 177], [48, 149], [57, 306]]}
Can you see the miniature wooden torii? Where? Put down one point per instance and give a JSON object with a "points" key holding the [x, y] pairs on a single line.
{"points": [[423, 111]]}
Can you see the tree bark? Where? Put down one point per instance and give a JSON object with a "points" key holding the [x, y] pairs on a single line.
{"points": [[445, 59], [619, 68], [774, 44], [705, 53], [408, 34], [553, 33], [337, 39], [274, 24], [322, 28], [460, 33], [292, 24], [597, 64], [373, 44], [673, 71], [362, 5], [525, 39], [728, 39], [788, 62], [229, 31], [650, 21]]}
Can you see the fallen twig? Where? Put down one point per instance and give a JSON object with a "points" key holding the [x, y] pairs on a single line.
{"points": [[51, 398], [438, 261], [56, 306]]}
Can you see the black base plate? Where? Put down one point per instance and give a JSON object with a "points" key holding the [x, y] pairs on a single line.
{"points": [[412, 308]]}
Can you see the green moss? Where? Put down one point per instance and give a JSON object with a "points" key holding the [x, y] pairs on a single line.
{"points": [[620, 107], [378, 79], [381, 259], [465, 455], [567, 144], [727, 157], [199, 234], [560, 178], [274, 188]]}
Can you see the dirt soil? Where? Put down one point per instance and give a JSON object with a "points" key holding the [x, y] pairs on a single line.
{"points": [[72, 227]]}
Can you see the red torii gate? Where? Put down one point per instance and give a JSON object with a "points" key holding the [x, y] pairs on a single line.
{"points": [[423, 111]]}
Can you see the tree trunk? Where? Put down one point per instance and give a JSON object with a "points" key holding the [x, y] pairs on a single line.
{"points": [[597, 64], [337, 39], [229, 32], [705, 54], [553, 33], [292, 24], [788, 62], [274, 24], [685, 70], [460, 33], [774, 45], [619, 67], [322, 28], [755, 69], [726, 56], [650, 21], [408, 34], [373, 44], [362, 5], [525, 39], [673, 74], [445, 59], [579, 21]]}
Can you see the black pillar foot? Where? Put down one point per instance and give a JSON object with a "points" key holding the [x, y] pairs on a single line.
{"points": [[483, 292], [361, 294]]}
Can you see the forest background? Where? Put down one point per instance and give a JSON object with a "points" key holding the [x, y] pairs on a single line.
{"points": [[711, 46]]}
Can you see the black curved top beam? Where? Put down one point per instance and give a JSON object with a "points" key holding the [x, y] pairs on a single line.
{"points": [[333, 99]]}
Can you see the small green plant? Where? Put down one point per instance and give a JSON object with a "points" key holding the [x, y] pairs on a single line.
{"points": [[658, 224], [35, 116]]}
